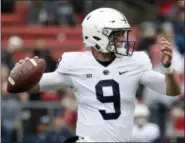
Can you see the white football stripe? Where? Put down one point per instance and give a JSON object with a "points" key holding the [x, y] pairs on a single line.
{"points": [[11, 81], [33, 62]]}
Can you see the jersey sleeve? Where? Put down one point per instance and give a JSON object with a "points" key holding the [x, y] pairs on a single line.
{"points": [[150, 78], [65, 64], [59, 78], [54, 81], [145, 62], [140, 63]]}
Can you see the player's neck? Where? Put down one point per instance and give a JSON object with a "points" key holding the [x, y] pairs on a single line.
{"points": [[102, 57]]}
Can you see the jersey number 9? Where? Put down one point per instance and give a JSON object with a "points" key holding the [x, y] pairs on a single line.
{"points": [[115, 98]]}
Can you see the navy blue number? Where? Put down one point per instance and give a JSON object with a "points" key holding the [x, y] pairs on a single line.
{"points": [[115, 98]]}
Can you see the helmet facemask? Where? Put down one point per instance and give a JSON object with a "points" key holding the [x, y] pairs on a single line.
{"points": [[119, 43]]}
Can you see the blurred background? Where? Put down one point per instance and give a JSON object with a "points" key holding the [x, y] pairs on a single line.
{"points": [[49, 28]]}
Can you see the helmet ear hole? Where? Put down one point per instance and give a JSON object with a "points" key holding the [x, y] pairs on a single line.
{"points": [[97, 47], [96, 38]]}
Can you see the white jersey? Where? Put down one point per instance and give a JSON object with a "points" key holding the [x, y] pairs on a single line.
{"points": [[105, 95], [148, 133]]}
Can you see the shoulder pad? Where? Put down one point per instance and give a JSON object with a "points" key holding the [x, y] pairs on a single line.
{"points": [[68, 61]]}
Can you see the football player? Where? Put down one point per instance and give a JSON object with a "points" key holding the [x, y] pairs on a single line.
{"points": [[106, 77], [143, 130]]}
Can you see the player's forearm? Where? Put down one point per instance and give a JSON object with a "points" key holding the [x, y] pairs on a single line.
{"points": [[173, 87]]}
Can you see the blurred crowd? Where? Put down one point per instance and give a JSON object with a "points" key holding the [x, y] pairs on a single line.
{"points": [[153, 18]]}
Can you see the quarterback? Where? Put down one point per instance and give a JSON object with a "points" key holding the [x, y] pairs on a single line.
{"points": [[106, 77]]}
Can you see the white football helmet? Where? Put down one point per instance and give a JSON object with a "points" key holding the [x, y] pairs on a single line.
{"points": [[141, 110], [141, 114], [99, 26]]}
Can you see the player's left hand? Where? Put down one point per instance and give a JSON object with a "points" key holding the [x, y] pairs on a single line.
{"points": [[166, 52]]}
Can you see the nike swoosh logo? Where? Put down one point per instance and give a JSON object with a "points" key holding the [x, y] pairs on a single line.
{"points": [[120, 73]]}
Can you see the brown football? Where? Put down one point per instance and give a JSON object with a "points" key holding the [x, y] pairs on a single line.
{"points": [[25, 76]]}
